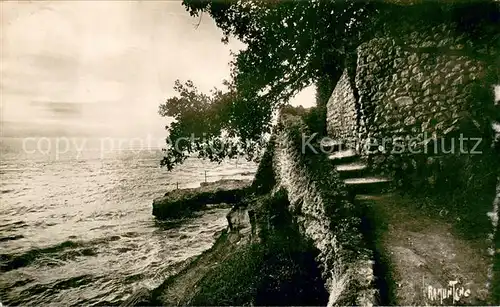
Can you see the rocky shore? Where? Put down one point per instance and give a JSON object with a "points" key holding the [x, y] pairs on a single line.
{"points": [[182, 202], [295, 236], [261, 259]]}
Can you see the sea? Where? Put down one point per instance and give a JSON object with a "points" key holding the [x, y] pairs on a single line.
{"points": [[77, 228]]}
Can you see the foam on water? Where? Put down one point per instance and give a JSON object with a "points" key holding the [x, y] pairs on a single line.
{"points": [[80, 231]]}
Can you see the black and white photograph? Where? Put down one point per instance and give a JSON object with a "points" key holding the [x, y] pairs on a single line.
{"points": [[249, 153]]}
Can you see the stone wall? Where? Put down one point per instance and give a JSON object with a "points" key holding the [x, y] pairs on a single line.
{"points": [[320, 205], [412, 94], [417, 92], [418, 82], [421, 81], [341, 110]]}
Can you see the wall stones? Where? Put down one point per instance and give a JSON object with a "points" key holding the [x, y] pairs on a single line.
{"points": [[319, 204], [431, 85], [418, 84], [341, 111]]}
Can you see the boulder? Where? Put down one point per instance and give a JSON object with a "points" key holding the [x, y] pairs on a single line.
{"points": [[179, 203]]}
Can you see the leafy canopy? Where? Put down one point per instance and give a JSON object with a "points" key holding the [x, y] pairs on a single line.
{"points": [[289, 45]]}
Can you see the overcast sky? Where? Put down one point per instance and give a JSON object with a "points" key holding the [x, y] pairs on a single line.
{"points": [[103, 67]]}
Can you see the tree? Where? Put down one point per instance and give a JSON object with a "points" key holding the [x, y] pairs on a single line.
{"points": [[292, 44], [210, 125]]}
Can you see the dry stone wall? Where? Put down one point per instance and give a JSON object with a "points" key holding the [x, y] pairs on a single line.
{"points": [[414, 93], [341, 110], [424, 110], [319, 203], [420, 82]]}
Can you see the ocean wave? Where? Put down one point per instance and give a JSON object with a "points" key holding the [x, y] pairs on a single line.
{"points": [[11, 238], [57, 286], [91, 228], [14, 225], [58, 254], [10, 262]]}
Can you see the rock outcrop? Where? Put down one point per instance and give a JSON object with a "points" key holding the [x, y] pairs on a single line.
{"points": [[179, 203]]}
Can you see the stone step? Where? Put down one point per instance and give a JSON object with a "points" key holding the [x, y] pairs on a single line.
{"points": [[352, 170], [331, 146], [367, 185], [344, 156]]}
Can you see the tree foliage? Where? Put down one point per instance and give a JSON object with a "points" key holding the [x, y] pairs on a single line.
{"points": [[289, 45], [210, 125]]}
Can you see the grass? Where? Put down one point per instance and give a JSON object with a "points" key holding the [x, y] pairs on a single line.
{"points": [[282, 271], [495, 289], [466, 213], [279, 270], [458, 189]]}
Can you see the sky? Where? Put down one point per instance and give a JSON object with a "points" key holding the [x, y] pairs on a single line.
{"points": [[102, 68]]}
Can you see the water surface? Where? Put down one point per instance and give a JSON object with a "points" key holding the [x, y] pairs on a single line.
{"points": [[80, 231]]}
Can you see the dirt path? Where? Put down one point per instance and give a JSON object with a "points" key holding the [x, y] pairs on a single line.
{"points": [[424, 256]]}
